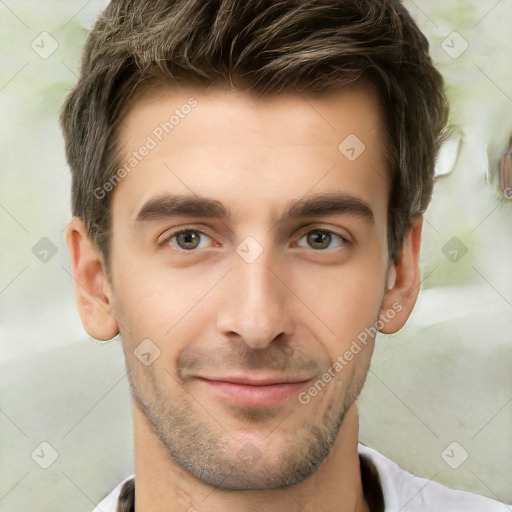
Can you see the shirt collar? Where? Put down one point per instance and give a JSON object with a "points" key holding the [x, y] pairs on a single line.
{"points": [[377, 491]]}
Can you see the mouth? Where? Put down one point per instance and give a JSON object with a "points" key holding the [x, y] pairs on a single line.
{"points": [[255, 391]]}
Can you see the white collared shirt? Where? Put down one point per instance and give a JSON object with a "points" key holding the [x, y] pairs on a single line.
{"points": [[402, 492]]}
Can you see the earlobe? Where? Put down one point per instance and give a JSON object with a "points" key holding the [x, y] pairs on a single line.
{"points": [[90, 283], [403, 282]]}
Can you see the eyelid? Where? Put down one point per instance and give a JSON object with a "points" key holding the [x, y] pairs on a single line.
{"points": [[346, 237], [168, 234], [334, 237], [172, 232]]}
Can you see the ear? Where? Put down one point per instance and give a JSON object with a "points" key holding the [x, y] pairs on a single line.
{"points": [[90, 283], [403, 282]]}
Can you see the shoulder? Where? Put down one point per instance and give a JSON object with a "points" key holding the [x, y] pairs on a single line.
{"points": [[408, 493], [109, 504]]}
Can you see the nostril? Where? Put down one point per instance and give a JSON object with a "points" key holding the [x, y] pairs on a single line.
{"points": [[505, 173]]}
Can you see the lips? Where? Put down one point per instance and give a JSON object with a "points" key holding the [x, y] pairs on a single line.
{"points": [[263, 380], [262, 390]]}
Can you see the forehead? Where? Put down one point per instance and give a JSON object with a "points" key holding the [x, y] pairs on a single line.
{"points": [[244, 150]]}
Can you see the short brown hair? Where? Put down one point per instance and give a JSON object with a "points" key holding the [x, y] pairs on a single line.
{"points": [[261, 46]]}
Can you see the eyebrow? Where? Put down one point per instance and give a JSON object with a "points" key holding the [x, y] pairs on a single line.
{"points": [[166, 206], [181, 206], [331, 204]]}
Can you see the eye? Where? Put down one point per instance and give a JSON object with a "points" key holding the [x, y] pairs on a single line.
{"points": [[321, 239], [189, 239]]}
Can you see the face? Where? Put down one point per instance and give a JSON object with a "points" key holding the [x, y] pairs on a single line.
{"points": [[248, 255]]}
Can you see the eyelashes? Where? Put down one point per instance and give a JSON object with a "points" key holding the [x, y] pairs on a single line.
{"points": [[318, 238], [188, 240], [193, 240]]}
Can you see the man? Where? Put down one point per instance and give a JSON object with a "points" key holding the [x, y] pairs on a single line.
{"points": [[249, 179]]}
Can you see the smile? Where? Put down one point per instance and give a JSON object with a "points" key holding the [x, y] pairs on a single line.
{"points": [[256, 392]]}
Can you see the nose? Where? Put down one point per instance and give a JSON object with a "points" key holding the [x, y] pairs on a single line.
{"points": [[255, 304]]}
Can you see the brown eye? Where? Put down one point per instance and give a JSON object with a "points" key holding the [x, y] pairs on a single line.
{"points": [[320, 240], [189, 240]]}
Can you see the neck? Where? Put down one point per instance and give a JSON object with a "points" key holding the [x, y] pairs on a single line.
{"points": [[164, 486]]}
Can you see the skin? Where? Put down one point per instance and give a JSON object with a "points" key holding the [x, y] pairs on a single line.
{"points": [[291, 312]]}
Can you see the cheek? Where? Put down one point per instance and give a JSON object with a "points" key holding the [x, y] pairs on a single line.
{"points": [[343, 301], [155, 303]]}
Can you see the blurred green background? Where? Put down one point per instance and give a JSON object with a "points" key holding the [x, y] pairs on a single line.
{"points": [[441, 385]]}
